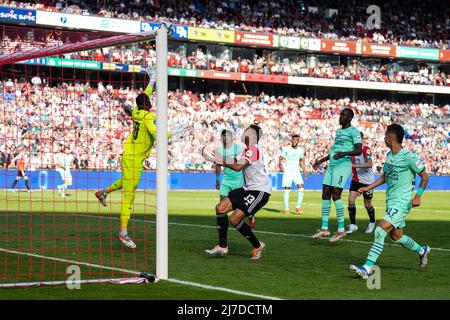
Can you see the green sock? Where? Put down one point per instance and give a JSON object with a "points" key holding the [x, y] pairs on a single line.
{"points": [[340, 214], [409, 243], [326, 207], [377, 247]]}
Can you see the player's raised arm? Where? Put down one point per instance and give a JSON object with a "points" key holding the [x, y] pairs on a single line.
{"points": [[152, 83]]}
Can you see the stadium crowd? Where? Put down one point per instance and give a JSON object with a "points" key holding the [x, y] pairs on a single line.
{"points": [[422, 23], [200, 60], [88, 120]]}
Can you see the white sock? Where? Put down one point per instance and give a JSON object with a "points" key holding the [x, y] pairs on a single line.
{"points": [[286, 199]]}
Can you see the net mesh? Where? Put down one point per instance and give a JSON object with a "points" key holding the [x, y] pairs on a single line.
{"points": [[64, 108]]}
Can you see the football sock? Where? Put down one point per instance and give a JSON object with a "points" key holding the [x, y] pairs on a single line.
{"points": [[27, 184], [408, 243], [377, 247], [222, 227], [117, 185], [300, 197], [245, 230], [14, 183], [352, 213], [371, 213], [286, 199], [326, 207], [340, 214], [123, 231]]}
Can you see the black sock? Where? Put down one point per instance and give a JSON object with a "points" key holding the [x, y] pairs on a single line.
{"points": [[14, 183], [371, 213], [245, 230], [222, 227], [352, 213], [27, 184]]}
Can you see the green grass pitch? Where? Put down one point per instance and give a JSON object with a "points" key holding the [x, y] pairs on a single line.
{"points": [[293, 266]]}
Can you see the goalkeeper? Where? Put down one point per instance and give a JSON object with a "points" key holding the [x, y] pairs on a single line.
{"points": [[135, 150]]}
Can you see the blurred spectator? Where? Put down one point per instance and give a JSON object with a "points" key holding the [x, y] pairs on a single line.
{"points": [[90, 120]]}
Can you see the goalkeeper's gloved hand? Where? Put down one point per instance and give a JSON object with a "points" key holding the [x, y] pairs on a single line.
{"points": [[151, 71]]}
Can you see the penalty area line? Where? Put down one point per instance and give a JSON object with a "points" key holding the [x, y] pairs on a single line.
{"points": [[133, 272]]}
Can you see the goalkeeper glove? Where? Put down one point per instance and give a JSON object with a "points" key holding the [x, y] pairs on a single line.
{"points": [[151, 71]]}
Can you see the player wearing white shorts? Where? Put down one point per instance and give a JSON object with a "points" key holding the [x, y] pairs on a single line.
{"points": [[246, 201], [292, 157], [362, 176], [63, 167]]}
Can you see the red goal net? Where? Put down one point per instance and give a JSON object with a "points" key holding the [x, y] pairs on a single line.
{"points": [[63, 96]]}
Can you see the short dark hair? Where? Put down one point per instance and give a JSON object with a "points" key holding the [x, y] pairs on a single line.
{"points": [[295, 136], [362, 134], [143, 101], [352, 114], [397, 130], [258, 131]]}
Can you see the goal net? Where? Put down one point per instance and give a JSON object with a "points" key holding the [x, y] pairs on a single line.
{"points": [[66, 99]]}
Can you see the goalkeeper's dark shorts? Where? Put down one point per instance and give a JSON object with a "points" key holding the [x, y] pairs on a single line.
{"points": [[249, 201]]}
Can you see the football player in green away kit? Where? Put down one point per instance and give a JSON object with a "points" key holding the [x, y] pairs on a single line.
{"points": [[231, 179], [399, 172], [347, 143]]}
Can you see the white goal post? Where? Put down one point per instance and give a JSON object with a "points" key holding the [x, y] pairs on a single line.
{"points": [[162, 245], [161, 36]]}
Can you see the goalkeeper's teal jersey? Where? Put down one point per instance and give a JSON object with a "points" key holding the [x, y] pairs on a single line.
{"points": [[229, 156], [400, 171], [344, 141]]}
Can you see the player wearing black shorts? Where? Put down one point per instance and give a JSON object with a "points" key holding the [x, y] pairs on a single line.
{"points": [[246, 201], [362, 176]]}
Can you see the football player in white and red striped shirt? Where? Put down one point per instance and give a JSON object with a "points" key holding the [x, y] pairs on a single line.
{"points": [[244, 202], [362, 176]]}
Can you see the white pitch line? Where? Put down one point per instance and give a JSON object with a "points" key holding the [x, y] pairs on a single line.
{"points": [[133, 272], [208, 287], [298, 235]]}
